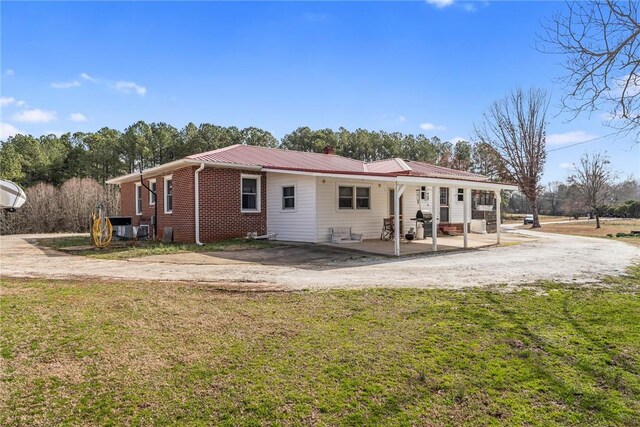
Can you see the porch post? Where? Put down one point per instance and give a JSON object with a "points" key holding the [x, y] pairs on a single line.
{"points": [[498, 214], [466, 201], [399, 189], [435, 216]]}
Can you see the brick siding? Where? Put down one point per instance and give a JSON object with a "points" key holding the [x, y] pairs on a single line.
{"points": [[220, 215]]}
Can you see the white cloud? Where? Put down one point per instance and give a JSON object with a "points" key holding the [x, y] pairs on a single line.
{"points": [[9, 72], [469, 7], [21, 103], [566, 165], [86, 76], [77, 117], [402, 119], [35, 116], [7, 130], [6, 100], [65, 85], [569, 137], [129, 87], [440, 3], [431, 126], [458, 138]]}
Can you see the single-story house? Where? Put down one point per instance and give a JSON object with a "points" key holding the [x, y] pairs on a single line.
{"points": [[300, 196]]}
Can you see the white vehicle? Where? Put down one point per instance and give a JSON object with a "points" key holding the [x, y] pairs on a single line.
{"points": [[12, 197]]}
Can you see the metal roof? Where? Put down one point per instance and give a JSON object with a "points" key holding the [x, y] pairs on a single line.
{"points": [[256, 158], [276, 158]]}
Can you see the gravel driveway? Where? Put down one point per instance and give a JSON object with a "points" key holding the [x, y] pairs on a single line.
{"points": [[568, 259]]}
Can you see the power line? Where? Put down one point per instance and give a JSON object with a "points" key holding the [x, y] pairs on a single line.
{"points": [[583, 142]]}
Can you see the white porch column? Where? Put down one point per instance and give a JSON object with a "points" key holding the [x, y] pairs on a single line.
{"points": [[399, 189], [498, 214], [466, 202], [435, 219]]}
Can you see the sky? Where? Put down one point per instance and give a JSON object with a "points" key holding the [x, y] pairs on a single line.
{"points": [[429, 67]]}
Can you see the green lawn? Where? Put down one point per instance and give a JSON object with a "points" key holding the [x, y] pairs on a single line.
{"points": [[146, 353], [134, 249]]}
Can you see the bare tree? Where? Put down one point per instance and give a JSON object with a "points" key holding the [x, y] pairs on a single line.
{"points": [[600, 41], [515, 126], [594, 179]]}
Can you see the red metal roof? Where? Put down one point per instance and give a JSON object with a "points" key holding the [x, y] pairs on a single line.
{"points": [[433, 171], [276, 158]]}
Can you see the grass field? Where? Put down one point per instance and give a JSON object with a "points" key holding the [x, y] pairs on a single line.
{"points": [[134, 249], [168, 353], [588, 228]]}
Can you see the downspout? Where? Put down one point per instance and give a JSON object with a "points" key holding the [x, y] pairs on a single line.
{"points": [[197, 207]]}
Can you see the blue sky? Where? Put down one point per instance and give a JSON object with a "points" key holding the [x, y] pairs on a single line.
{"points": [[413, 67]]}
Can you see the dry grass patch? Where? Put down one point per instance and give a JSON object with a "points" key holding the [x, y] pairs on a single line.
{"points": [[588, 228]]}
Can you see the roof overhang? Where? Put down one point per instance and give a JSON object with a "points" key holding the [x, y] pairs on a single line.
{"points": [[177, 164], [404, 179]]}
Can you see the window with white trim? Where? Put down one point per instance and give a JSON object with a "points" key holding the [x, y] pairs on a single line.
{"points": [[345, 197], [152, 193], [250, 193], [460, 194], [363, 197], [168, 194], [352, 197], [138, 198], [288, 197]]}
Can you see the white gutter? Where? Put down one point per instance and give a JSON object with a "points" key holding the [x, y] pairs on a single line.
{"points": [[197, 207], [404, 179], [176, 164]]}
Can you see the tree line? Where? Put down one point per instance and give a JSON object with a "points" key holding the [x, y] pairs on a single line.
{"points": [[28, 160]]}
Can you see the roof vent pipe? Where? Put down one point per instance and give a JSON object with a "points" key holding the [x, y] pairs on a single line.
{"points": [[328, 149], [196, 179]]}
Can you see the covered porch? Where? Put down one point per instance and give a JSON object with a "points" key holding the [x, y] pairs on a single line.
{"points": [[425, 246], [439, 242]]}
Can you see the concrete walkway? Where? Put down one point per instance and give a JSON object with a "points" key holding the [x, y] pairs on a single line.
{"points": [[548, 256]]}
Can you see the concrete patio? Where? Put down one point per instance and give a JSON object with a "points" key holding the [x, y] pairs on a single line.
{"points": [[445, 243]]}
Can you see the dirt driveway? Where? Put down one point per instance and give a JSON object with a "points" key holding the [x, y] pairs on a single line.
{"points": [[548, 256]]}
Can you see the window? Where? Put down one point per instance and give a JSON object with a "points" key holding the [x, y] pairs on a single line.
{"points": [[444, 196], [168, 194], [362, 197], [424, 194], [288, 197], [484, 198], [354, 197], [152, 196], [460, 194], [249, 189], [138, 199], [345, 197]]}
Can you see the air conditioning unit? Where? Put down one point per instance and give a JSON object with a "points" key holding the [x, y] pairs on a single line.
{"points": [[479, 226]]}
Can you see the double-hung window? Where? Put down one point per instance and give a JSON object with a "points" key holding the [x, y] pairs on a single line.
{"points": [[460, 194], [352, 197], [152, 192], [250, 193], [138, 199], [345, 197], [168, 194], [288, 197], [363, 197]]}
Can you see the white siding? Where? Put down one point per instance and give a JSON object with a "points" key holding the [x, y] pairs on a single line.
{"points": [[296, 225], [365, 221], [410, 205], [456, 208]]}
